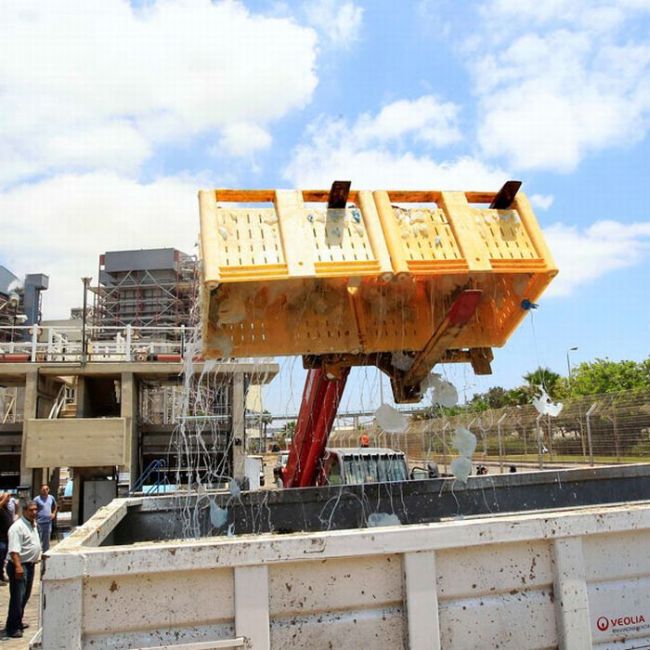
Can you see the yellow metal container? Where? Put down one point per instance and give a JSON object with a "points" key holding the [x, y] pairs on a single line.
{"points": [[445, 241], [284, 275]]}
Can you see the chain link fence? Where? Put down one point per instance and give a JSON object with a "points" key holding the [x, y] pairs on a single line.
{"points": [[596, 429]]}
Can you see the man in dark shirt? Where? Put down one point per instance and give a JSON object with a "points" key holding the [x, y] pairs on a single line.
{"points": [[46, 514], [6, 519]]}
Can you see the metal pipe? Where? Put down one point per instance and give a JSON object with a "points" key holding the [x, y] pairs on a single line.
{"points": [[84, 317], [500, 440], [590, 412]]}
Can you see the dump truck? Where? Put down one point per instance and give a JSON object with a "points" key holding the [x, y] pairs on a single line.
{"points": [[569, 577]]}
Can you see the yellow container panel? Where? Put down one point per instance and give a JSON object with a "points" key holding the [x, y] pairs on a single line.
{"points": [[289, 317], [282, 274]]}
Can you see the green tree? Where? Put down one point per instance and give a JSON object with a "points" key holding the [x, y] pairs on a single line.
{"points": [[550, 381], [606, 376]]}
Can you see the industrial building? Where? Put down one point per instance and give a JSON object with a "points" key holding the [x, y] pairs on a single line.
{"points": [[109, 420], [20, 302], [101, 396], [145, 288]]}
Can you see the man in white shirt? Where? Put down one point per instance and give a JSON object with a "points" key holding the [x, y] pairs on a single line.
{"points": [[24, 552]]}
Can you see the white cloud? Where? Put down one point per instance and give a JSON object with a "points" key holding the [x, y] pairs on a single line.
{"points": [[243, 139], [60, 226], [586, 255], [426, 119], [378, 151], [542, 201], [385, 169], [95, 84], [337, 21], [559, 79]]}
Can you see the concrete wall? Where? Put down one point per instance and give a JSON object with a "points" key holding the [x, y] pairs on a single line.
{"points": [[77, 442], [565, 579]]}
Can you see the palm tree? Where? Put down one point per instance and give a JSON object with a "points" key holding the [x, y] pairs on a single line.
{"points": [[545, 378]]}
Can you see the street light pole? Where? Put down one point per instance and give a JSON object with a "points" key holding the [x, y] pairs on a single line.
{"points": [[84, 317], [568, 361]]}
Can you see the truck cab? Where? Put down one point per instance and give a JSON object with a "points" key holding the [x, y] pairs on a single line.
{"points": [[362, 465]]}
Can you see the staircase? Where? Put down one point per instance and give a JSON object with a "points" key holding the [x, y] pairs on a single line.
{"points": [[69, 410]]}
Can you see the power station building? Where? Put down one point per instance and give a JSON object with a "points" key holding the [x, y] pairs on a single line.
{"points": [[20, 302], [102, 395], [144, 288]]}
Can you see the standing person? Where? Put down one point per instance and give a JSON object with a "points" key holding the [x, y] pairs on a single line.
{"points": [[13, 506], [46, 513], [24, 554], [6, 519]]}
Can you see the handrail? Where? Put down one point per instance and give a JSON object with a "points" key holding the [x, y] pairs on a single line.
{"points": [[54, 344], [12, 403], [156, 465], [58, 403]]}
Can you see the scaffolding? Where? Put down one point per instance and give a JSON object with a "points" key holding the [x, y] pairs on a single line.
{"points": [[144, 288]]}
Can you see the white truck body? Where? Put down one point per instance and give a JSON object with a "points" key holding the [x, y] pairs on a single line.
{"points": [[575, 578]]}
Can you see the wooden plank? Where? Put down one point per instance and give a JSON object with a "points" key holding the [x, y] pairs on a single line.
{"points": [[244, 196], [480, 197], [210, 244], [461, 219], [391, 231], [298, 246], [525, 212], [375, 233], [267, 196], [322, 196], [414, 196]]}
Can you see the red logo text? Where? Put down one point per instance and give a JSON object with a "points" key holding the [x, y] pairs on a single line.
{"points": [[604, 623]]}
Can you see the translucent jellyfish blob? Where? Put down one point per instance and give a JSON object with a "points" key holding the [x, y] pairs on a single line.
{"points": [[390, 420], [464, 441], [383, 519], [218, 516], [461, 468], [545, 405]]}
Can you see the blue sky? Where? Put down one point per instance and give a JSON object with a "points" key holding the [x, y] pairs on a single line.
{"points": [[113, 115]]}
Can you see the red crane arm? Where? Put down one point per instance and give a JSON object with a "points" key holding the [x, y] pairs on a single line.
{"points": [[320, 402]]}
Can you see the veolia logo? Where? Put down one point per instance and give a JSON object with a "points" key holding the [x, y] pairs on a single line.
{"points": [[603, 623]]}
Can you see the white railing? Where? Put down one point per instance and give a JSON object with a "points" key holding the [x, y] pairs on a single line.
{"points": [[61, 400], [65, 344]]}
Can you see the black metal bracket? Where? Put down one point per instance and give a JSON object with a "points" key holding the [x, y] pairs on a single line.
{"points": [[339, 194], [505, 196]]}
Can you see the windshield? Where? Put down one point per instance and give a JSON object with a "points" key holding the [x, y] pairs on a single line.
{"points": [[374, 469]]}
